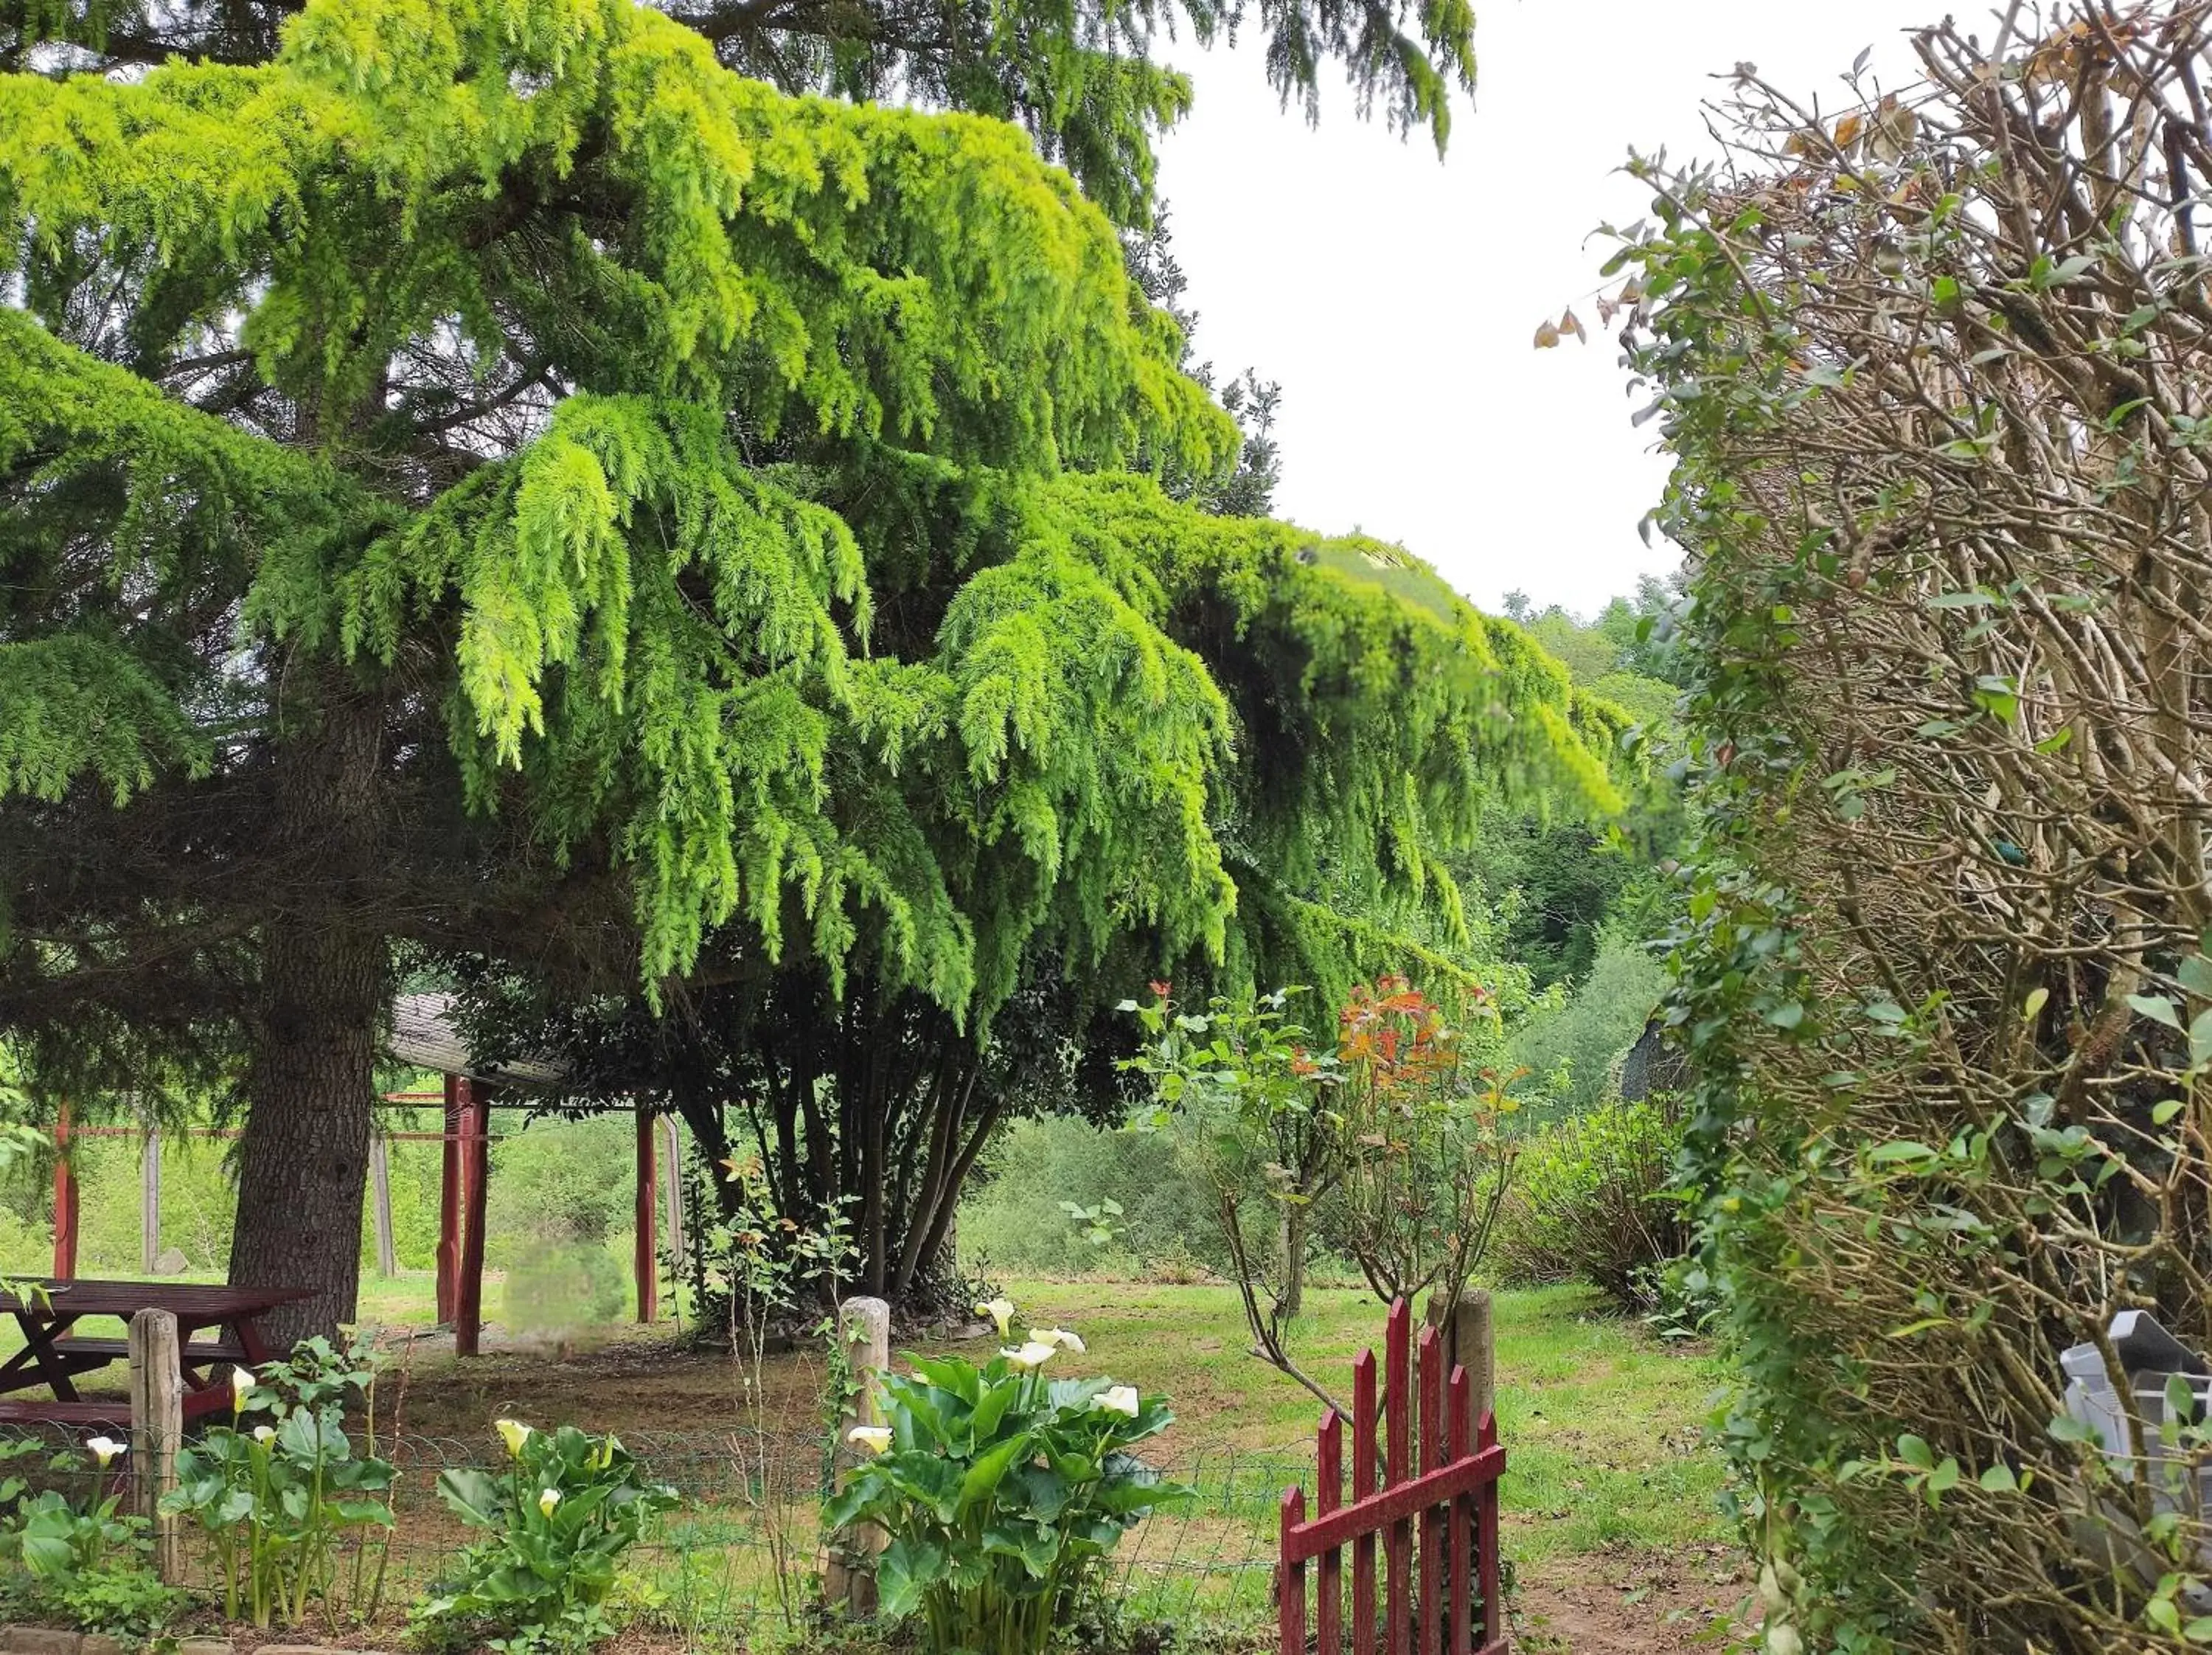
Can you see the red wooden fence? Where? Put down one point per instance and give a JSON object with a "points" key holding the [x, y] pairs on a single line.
{"points": [[1451, 1499]]}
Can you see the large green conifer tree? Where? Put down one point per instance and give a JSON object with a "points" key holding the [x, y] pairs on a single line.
{"points": [[491, 476], [392, 410]]}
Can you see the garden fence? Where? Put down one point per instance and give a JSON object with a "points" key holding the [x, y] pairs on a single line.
{"points": [[743, 1548], [1432, 1475]]}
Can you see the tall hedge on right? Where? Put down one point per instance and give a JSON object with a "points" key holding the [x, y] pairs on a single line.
{"points": [[1933, 366]]}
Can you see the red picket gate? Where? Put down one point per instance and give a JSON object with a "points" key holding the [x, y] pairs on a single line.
{"points": [[1453, 1495]]}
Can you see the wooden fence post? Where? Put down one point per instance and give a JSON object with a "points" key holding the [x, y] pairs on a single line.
{"points": [[150, 1200], [646, 1254], [1464, 1327], [672, 1149], [476, 1179], [379, 1181], [848, 1572], [157, 1425], [65, 1200]]}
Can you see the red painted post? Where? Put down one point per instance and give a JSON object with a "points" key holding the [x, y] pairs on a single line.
{"points": [[1363, 1484], [1291, 1581], [646, 1259], [1432, 1457], [1397, 1544], [1493, 1616], [1459, 1535], [475, 1175], [1328, 1580], [449, 1205], [65, 1197]]}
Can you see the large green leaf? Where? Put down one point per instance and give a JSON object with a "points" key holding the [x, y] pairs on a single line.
{"points": [[907, 1567], [1035, 1544], [926, 1479], [985, 1474], [949, 1373], [990, 1408], [473, 1495]]}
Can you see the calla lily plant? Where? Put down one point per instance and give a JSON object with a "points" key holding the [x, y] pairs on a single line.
{"points": [[999, 1489]]}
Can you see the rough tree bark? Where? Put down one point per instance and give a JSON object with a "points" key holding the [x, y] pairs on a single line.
{"points": [[303, 1156]]}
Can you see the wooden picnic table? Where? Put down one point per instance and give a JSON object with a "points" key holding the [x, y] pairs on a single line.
{"points": [[54, 1353]]}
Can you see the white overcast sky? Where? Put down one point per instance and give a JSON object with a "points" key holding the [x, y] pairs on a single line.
{"points": [[1396, 296]]}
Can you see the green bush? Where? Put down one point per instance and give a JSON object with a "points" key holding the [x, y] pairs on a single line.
{"points": [[84, 1565], [1588, 1203], [550, 1184]]}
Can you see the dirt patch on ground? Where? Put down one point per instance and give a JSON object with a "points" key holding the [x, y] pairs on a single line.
{"points": [[1629, 1603]]}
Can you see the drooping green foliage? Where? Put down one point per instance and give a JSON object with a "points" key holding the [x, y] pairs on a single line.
{"points": [[664, 627], [1081, 77], [463, 406], [1232, 751], [674, 545]]}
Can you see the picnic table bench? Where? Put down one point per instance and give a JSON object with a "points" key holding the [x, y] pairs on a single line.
{"points": [[217, 1327]]}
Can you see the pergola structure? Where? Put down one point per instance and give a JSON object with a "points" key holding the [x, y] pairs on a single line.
{"points": [[423, 1037]]}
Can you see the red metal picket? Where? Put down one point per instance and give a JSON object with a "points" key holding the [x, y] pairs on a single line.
{"points": [[1449, 1486]]}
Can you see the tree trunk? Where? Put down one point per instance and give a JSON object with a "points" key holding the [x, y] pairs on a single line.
{"points": [[1294, 1245], [303, 1157]]}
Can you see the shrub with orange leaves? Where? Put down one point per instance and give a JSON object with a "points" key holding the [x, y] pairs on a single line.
{"points": [[1428, 1161]]}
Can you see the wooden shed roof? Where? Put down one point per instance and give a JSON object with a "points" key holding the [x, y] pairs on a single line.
{"points": [[424, 1033]]}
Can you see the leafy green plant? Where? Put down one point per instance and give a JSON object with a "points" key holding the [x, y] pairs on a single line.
{"points": [[556, 1525], [121, 1598], [85, 1565], [1255, 1110], [1431, 1159], [1100, 1225], [52, 1538], [276, 1501], [998, 1490]]}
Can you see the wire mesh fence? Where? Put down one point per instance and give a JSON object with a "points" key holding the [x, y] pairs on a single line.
{"points": [[744, 1544]]}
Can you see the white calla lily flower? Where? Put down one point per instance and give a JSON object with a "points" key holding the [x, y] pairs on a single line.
{"points": [[241, 1385], [547, 1501], [1060, 1338], [1030, 1355], [514, 1433], [1000, 1311], [265, 1434], [874, 1438], [1120, 1399], [104, 1449]]}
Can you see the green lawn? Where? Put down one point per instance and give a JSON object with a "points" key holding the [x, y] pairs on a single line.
{"points": [[1600, 1418]]}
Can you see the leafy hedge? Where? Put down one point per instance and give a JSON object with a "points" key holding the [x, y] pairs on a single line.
{"points": [[1933, 372]]}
